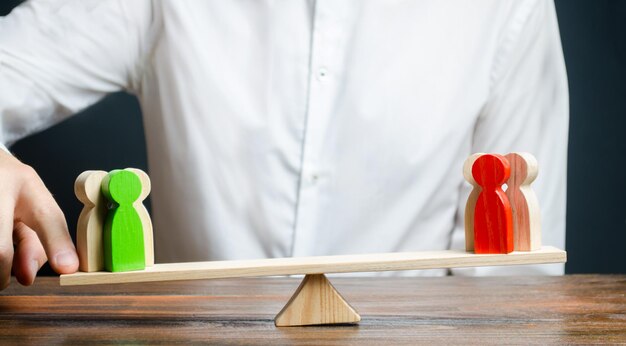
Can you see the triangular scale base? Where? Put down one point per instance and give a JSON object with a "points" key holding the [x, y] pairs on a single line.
{"points": [[316, 302]]}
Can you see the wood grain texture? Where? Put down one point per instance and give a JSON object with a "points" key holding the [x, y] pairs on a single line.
{"points": [[493, 220], [316, 302], [317, 265], [524, 203], [146, 221], [470, 205], [91, 220], [587, 309]]}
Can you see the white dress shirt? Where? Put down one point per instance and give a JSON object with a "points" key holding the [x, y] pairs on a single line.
{"points": [[300, 128]]}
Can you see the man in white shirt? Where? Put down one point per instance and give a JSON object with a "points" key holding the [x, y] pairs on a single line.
{"points": [[289, 129]]}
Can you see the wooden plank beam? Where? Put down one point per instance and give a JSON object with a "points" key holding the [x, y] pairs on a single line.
{"points": [[316, 265]]}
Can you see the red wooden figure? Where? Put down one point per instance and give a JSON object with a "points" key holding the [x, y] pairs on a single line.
{"points": [[493, 220], [524, 203]]}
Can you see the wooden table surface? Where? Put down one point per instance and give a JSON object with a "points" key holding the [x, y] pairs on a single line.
{"points": [[447, 310]]}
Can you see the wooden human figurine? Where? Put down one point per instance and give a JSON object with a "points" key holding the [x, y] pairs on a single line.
{"points": [[471, 201], [90, 221], [123, 238], [146, 222], [524, 203], [493, 221]]}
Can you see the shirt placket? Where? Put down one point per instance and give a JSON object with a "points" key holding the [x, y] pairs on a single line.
{"points": [[328, 36]]}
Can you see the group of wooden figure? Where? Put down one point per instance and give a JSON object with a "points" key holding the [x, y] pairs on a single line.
{"points": [[114, 230], [498, 221]]}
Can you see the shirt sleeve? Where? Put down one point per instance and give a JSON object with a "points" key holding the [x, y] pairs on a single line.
{"points": [[528, 111], [58, 57], [4, 148]]}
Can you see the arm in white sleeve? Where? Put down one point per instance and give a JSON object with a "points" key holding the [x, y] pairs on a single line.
{"points": [[58, 57], [528, 111]]}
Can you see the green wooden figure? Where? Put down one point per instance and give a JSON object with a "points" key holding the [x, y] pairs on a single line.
{"points": [[123, 233]]}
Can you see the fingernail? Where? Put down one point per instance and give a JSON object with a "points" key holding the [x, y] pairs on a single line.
{"points": [[34, 267], [65, 258]]}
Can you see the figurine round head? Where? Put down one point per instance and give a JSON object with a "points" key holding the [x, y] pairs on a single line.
{"points": [[121, 186], [491, 170]]}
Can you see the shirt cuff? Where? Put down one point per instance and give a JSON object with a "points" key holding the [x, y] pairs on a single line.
{"points": [[3, 147]]}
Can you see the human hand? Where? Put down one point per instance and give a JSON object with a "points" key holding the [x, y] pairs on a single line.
{"points": [[32, 226]]}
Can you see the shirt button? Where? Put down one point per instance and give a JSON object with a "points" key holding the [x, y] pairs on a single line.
{"points": [[311, 179], [314, 178], [322, 74]]}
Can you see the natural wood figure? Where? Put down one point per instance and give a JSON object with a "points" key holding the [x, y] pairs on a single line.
{"points": [[123, 236], [90, 221], [493, 220], [471, 201], [146, 222], [316, 302], [524, 203]]}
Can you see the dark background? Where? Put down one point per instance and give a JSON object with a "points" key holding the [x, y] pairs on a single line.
{"points": [[594, 43]]}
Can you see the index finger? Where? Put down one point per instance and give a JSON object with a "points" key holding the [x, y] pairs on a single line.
{"points": [[37, 208], [6, 243]]}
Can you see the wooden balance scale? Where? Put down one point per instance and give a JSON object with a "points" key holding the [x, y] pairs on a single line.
{"points": [[316, 301]]}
